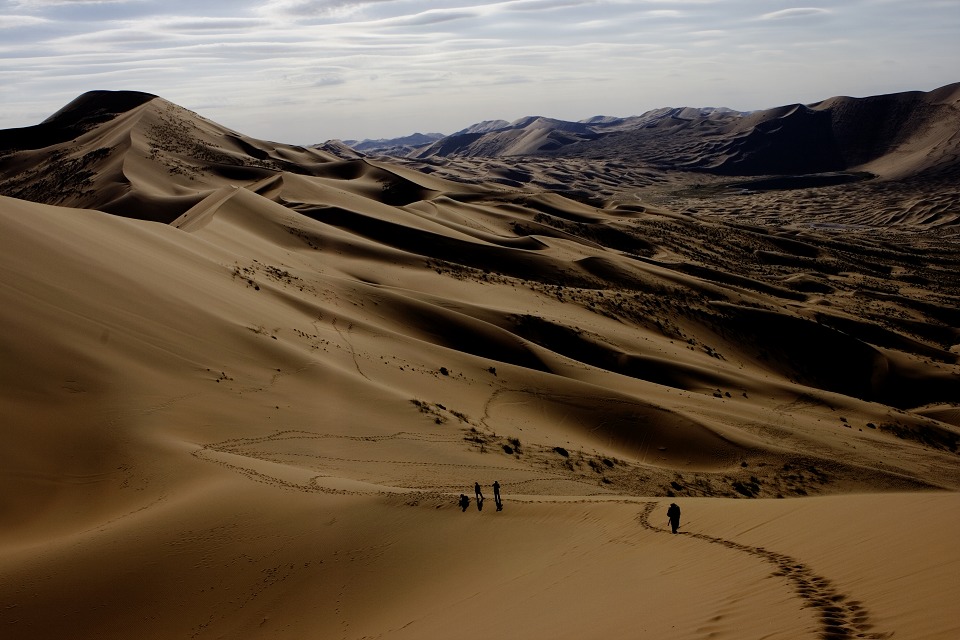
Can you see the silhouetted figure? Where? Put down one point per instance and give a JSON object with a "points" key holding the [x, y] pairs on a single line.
{"points": [[673, 514], [464, 502], [496, 495], [476, 490]]}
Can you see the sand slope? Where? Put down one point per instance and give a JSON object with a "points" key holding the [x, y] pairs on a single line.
{"points": [[254, 421]]}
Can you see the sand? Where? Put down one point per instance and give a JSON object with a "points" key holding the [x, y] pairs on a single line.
{"points": [[244, 384]]}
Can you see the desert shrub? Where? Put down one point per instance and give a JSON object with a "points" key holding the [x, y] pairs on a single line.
{"points": [[748, 489]]}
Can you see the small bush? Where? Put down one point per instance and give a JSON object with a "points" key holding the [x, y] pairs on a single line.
{"points": [[749, 490]]}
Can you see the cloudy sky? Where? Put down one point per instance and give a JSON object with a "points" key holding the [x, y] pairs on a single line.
{"points": [[304, 71]]}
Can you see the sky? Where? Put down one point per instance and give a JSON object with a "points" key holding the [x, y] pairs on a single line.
{"points": [[306, 71]]}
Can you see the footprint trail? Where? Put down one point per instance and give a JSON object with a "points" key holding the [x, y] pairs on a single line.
{"points": [[841, 618]]}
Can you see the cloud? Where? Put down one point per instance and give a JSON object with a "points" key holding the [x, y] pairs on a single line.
{"points": [[709, 33], [664, 13], [443, 63], [314, 8], [328, 81], [138, 37], [33, 4], [202, 24], [795, 13], [16, 22], [545, 5], [431, 16]]}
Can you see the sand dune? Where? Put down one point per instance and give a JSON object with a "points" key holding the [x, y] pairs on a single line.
{"points": [[244, 384]]}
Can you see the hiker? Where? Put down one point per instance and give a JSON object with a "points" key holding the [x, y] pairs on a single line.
{"points": [[673, 514], [464, 502], [476, 489], [496, 495]]}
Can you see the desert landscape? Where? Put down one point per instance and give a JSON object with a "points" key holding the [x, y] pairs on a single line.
{"points": [[245, 383]]}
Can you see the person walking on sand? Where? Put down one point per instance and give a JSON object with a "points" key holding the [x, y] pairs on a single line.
{"points": [[673, 514], [496, 495], [476, 490]]}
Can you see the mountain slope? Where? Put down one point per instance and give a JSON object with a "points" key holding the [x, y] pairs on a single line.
{"points": [[849, 133], [535, 135]]}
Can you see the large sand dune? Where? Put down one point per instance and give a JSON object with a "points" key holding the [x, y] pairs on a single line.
{"points": [[244, 384]]}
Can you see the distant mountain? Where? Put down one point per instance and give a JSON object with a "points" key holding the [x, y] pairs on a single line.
{"points": [[484, 127], [526, 136], [894, 135], [396, 146], [533, 135]]}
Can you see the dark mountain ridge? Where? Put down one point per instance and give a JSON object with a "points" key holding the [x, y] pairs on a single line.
{"points": [[394, 145], [837, 134]]}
